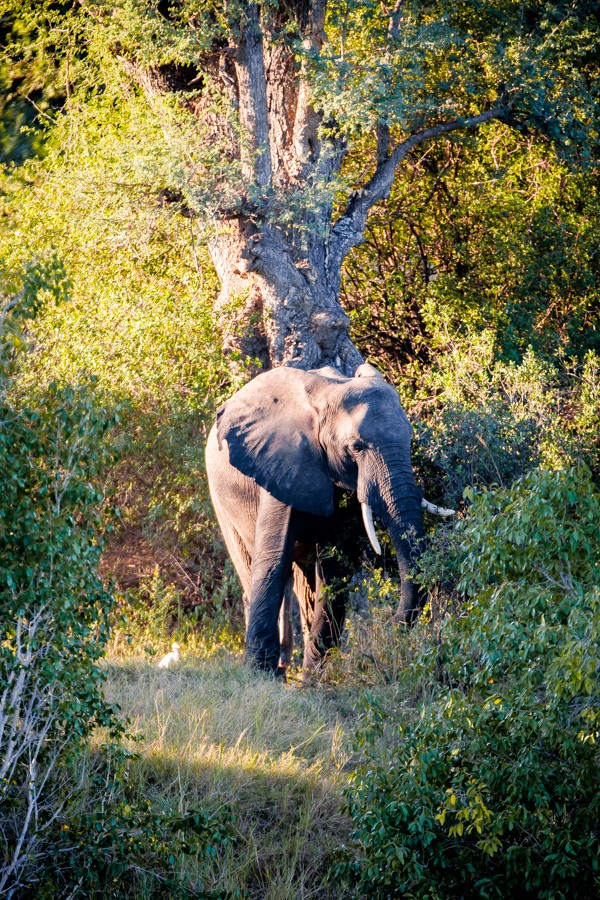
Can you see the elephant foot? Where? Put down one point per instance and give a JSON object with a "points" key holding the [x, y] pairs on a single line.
{"points": [[263, 661], [279, 673], [312, 673]]}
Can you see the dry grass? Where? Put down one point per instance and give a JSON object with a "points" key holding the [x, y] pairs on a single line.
{"points": [[214, 735]]}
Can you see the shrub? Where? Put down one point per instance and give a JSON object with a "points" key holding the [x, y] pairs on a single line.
{"points": [[66, 826], [494, 421], [492, 790], [53, 605], [485, 233], [141, 321]]}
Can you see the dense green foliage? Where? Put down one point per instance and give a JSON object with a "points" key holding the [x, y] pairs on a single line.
{"points": [[493, 422], [476, 292], [139, 321], [490, 233], [53, 606], [439, 61], [491, 790], [67, 827], [451, 56]]}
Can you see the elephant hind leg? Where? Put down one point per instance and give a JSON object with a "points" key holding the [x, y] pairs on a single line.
{"points": [[305, 596], [297, 586], [329, 612], [242, 562]]}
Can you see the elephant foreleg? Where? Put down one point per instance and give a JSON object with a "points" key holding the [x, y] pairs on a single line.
{"points": [[271, 566]]}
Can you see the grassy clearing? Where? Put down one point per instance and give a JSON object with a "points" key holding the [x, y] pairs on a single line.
{"points": [[211, 734]]}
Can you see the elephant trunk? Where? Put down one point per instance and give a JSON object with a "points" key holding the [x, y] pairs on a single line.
{"points": [[394, 497], [407, 538]]}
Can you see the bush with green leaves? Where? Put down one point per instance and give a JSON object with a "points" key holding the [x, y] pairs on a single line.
{"points": [[53, 606], [491, 789], [127, 849], [486, 232], [493, 422], [140, 320], [66, 826]]}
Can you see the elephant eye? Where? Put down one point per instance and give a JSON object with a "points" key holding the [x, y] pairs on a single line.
{"points": [[358, 446]]}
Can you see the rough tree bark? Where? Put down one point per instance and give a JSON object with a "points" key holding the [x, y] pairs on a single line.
{"points": [[290, 313], [282, 278]]}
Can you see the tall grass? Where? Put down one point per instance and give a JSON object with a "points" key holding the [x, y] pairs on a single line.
{"points": [[213, 734]]}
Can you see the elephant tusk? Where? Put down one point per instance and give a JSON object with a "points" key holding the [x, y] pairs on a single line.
{"points": [[436, 510], [369, 527]]}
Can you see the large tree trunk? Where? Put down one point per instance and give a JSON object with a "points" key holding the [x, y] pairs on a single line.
{"points": [[280, 290], [281, 310], [278, 249]]}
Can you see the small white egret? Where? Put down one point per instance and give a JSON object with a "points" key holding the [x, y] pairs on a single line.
{"points": [[171, 658]]}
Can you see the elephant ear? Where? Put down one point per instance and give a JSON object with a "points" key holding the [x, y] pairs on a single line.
{"points": [[271, 430]]}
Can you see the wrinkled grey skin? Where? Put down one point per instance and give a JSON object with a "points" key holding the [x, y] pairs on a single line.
{"points": [[274, 457]]}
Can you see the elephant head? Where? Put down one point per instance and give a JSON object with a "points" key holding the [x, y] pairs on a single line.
{"points": [[298, 434]]}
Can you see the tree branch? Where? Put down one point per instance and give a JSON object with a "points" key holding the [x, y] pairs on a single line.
{"points": [[253, 108], [307, 121], [394, 21], [348, 231]]}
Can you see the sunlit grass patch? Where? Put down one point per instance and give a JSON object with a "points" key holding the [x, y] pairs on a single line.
{"points": [[272, 758], [212, 734]]}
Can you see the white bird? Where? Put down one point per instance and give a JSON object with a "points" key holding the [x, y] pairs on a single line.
{"points": [[171, 658]]}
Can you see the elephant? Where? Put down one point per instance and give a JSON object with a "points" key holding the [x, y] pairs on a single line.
{"points": [[278, 454]]}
